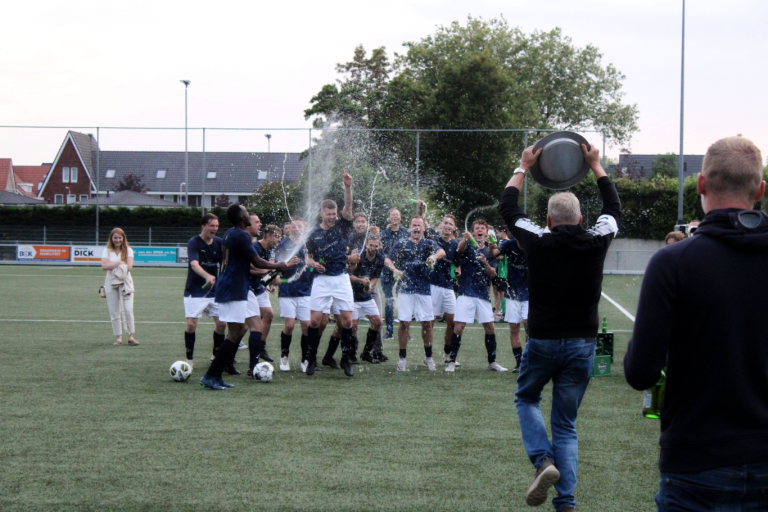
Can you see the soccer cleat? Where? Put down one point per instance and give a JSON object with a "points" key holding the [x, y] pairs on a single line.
{"points": [[498, 318], [389, 336], [496, 367], [249, 373], [191, 365], [447, 359], [242, 345], [366, 356], [345, 364], [265, 357], [311, 367], [230, 369], [401, 364], [516, 369], [225, 384], [329, 361], [304, 366], [284, 365], [450, 368], [381, 357], [209, 382], [545, 477], [430, 363], [353, 359]]}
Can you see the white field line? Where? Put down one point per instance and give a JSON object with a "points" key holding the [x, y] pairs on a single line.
{"points": [[89, 275], [618, 306]]}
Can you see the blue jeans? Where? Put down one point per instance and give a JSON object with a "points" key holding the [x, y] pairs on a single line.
{"points": [[730, 489], [568, 364], [388, 284]]}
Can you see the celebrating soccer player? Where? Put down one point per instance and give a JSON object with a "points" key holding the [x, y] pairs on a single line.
{"points": [[232, 290], [440, 285], [474, 301], [410, 261], [516, 294], [364, 278], [205, 253], [389, 236]]}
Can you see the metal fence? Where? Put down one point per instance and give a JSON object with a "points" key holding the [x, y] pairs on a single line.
{"points": [[85, 235]]}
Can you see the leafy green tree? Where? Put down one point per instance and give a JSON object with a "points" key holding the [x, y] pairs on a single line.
{"points": [[665, 165], [132, 182], [269, 203]]}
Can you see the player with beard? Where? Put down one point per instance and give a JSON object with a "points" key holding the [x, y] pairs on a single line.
{"points": [[414, 256], [205, 253], [295, 289], [440, 285], [389, 236], [327, 255], [232, 290], [516, 294], [474, 301], [364, 278]]}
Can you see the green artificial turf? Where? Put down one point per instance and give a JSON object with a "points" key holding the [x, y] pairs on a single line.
{"points": [[88, 426]]}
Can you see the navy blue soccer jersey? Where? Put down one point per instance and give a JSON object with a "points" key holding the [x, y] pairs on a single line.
{"points": [[302, 285], [441, 274], [330, 245], [388, 239], [355, 241], [254, 281], [370, 268], [208, 256], [235, 267], [411, 259], [473, 281], [517, 270]]}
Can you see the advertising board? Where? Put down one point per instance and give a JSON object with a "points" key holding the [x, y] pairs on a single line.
{"points": [[43, 253]]}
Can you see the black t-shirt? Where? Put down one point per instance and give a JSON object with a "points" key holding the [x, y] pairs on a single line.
{"points": [[208, 256]]}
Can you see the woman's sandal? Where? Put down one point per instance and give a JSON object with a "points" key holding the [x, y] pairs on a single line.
{"points": [[118, 342], [133, 342]]}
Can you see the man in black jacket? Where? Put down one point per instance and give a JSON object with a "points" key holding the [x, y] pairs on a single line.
{"points": [[702, 315], [565, 276]]}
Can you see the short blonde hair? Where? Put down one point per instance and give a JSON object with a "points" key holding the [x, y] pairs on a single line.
{"points": [[733, 166], [563, 208]]}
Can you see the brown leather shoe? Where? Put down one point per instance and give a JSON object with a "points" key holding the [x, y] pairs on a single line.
{"points": [[545, 477]]}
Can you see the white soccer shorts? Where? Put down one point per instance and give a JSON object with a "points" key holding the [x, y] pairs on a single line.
{"points": [[443, 300], [411, 305], [233, 311], [195, 307], [517, 311], [294, 307], [469, 308], [332, 290], [367, 308], [256, 302]]}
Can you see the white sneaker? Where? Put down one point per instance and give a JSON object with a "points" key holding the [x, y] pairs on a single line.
{"points": [[496, 367], [430, 363], [304, 366], [191, 365], [447, 360], [284, 366], [242, 345], [401, 364], [451, 367]]}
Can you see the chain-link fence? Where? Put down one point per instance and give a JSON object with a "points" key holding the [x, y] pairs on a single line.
{"points": [[85, 235]]}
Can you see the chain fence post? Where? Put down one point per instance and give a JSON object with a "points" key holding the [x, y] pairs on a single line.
{"points": [[309, 174], [44, 235], [150, 236], [525, 182], [417, 171], [98, 156], [202, 198]]}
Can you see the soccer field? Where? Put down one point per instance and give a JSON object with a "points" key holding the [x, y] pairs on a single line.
{"points": [[89, 426]]}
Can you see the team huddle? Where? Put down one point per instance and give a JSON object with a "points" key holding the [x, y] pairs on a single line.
{"points": [[333, 269]]}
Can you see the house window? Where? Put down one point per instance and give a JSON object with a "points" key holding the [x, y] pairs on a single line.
{"points": [[110, 173], [160, 174], [73, 175], [58, 199], [83, 197], [262, 175], [211, 175], [65, 175], [71, 199]]}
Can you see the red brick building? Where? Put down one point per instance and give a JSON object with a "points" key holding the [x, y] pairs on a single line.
{"points": [[69, 179]]}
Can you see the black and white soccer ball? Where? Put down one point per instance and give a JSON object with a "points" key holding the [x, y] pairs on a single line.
{"points": [[180, 371], [263, 372]]}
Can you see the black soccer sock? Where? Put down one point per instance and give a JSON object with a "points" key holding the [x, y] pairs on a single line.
{"points": [[455, 346], [223, 358], [347, 342], [402, 353], [313, 341], [490, 347], [333, 344], [378, 345], [255, 348], [446, 349], [518, 353], [355, 346], [189, 344], [218, 339], [285, 344], [428, 351], [304, 345], [370, 340]]}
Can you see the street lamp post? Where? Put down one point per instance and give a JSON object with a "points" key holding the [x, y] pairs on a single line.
{"points": [[186, 153], [186, 188], [269, 139]]}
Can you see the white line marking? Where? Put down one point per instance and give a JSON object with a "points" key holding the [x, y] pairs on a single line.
{"points": [[89, 275], [618, 306], [55, 268]]}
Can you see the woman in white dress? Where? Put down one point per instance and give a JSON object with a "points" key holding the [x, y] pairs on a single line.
{"points": [[119, 296]]}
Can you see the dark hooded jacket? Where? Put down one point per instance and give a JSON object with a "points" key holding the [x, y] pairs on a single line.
{"points": [[565, 266], [702, 314]]}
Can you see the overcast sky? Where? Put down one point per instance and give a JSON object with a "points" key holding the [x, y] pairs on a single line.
{"points": [[257, 64]]}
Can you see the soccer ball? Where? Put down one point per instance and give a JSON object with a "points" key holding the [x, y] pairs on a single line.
{"points": [[263, 372], [180, 371]]}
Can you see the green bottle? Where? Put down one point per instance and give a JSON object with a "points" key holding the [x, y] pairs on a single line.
{"points": [[473, 242], [652, 398], [453, 271], [605, 324], [492, 239]]}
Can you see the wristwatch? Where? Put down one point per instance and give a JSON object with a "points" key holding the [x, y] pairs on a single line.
{"points": [[519, 170]]}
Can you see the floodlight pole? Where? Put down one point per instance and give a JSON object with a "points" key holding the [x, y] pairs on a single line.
{"points": [[309, 175], [186, 153], [269, 140], [525, 182], [205, 176], [98, 155], [417, 171], [680, 164]]}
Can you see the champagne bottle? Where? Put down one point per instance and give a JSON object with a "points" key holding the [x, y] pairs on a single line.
{"points": [[652, 398], [206, 287], [605, 324], [472, 242], [492, 239], [267, 279]]}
